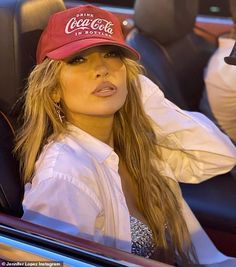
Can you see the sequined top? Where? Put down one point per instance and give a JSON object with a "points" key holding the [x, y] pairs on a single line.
{"points": [[141, 238]]}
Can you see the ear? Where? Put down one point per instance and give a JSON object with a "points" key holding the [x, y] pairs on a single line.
{"points": [[56, 96]]}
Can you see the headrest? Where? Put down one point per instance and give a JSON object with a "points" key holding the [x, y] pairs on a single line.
{"points": [[165, 20], [22, 22]]}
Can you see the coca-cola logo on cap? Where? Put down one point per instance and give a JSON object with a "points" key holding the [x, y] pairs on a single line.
{"points": [[85, 23]]}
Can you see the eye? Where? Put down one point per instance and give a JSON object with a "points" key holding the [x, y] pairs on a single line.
{"points": [[113, 53], [76, 60]]}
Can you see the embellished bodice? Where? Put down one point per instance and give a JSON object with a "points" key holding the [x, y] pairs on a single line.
{"points": [[141, 238]]}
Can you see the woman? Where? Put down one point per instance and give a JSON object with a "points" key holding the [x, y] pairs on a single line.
{"points": [[102, 149]]}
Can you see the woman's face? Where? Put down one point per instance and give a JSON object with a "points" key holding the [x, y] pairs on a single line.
{"points": [[93, 83]]}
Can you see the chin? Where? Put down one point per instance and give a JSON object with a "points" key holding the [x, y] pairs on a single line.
{"points": [[108, 111]]}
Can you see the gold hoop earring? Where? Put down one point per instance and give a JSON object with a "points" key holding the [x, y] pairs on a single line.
{"points": [[59, 112]]}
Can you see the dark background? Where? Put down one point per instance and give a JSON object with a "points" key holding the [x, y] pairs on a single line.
{"points": [[219, 8]]}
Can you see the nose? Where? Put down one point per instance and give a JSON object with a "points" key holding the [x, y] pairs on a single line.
{"points": [[100, 67]]}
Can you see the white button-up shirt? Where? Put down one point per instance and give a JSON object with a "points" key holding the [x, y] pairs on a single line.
{"points": [[220, 80], [77, 189]]}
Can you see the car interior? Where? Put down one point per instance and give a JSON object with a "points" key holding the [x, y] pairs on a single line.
{"points": [[174, 52], [174, 57], [21, 25]]}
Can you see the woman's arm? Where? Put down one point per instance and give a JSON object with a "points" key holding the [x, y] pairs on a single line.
{"points": [[190, 143], [56, 203]]}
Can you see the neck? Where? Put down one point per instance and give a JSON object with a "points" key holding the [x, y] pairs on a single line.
{"points": [[98, 127]]}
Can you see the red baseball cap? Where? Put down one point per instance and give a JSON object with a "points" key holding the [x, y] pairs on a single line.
{"points": [[76, 29]]}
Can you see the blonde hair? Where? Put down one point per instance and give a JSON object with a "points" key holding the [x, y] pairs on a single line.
{"points": [[159, 198], [40, 116]]}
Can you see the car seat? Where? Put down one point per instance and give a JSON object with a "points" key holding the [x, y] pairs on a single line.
{"points": [[22, 22], [172, 53]]}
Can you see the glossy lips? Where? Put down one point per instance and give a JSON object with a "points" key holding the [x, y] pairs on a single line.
{"points": [[105, 89]]}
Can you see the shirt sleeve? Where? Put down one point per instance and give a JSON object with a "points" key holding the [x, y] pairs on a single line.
{"points": [[194, 148], [56, 203], [206, 251]]}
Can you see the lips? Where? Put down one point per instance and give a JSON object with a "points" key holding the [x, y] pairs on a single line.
{"points": [[105, 89]]}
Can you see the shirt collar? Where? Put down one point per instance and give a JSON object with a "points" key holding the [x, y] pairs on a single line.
{"points": [[92, 145]]}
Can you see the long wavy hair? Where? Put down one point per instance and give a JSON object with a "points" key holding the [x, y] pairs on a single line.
{"points": [[159, 197]]}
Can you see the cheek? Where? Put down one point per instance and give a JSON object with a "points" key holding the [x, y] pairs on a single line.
{"points": [[123, 80], [116, 65], [69, 82]]}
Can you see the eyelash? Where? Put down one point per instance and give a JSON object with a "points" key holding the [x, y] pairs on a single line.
{"points": [[80, 60], [112, 54], [76, 60]]}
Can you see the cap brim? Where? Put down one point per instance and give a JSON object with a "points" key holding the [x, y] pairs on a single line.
{"points": [[81, 45]]}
